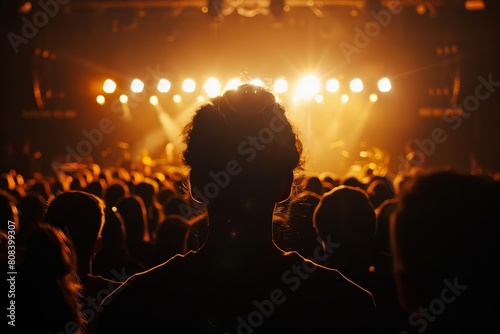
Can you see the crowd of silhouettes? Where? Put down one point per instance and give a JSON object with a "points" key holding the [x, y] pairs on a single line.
{"points": [[269, 246]]}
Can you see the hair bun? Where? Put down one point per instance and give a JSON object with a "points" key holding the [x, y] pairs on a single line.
{"points": [[248, 100]]}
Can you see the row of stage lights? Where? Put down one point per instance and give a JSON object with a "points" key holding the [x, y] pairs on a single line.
{"points": [[307, 88]]}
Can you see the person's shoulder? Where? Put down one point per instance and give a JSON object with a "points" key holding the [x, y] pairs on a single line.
{"points": [[323, 281], [157, 278], [134, 297]]}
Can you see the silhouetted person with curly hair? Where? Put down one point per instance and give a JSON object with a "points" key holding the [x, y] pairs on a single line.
{"points": [[242, 153]]}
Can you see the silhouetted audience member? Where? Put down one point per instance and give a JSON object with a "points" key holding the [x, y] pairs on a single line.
{"points": [[352, 181], [445, 243], [173, 233], [148, 189], [313, 183], [329, 180], [300, 234], [346, 217], [31, 211], [97, 187], [139, 244], [48, 290], [80, 216], [239, 281], [379, 189]]}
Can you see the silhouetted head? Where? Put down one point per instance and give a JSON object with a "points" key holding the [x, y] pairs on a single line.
{"points": [[50, 252], [346, 215], [353, 181], [312, 182], [81, 216], [241, 140], [446, 228], [147, 189], [31, 211], [379, 190], [116, 190], [97, 187], [134, 214]]}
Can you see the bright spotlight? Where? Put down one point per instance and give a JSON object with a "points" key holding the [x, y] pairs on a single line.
{"points": [[154, 100], [100, 99], [109, 86], [164, 86], [188, 85], [123, 98], [212, 87], [344, 98], [177, 98], [356, 85], [308, 87], [384, 85], [332, 85], [373, 97], [137, 86], [319, 98], [280, 86], [257, 82], [233, 84]]}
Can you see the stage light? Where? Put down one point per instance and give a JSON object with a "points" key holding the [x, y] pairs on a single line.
{"points": [[177, 98], [25, 7], [164, 86], [188, 85], [356, 85], [373, 97], [232, 84], [384, 85], [319, 98], [344, 98], [154, 100], [332, 85], [137, 86], [421, 9], [100, 99], [109, 86], [308, 87], [212, 87], [474, 5], [280, 86], [123, 98]]}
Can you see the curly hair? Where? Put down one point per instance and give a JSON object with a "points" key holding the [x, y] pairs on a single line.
{"points": [[246, 125]]}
